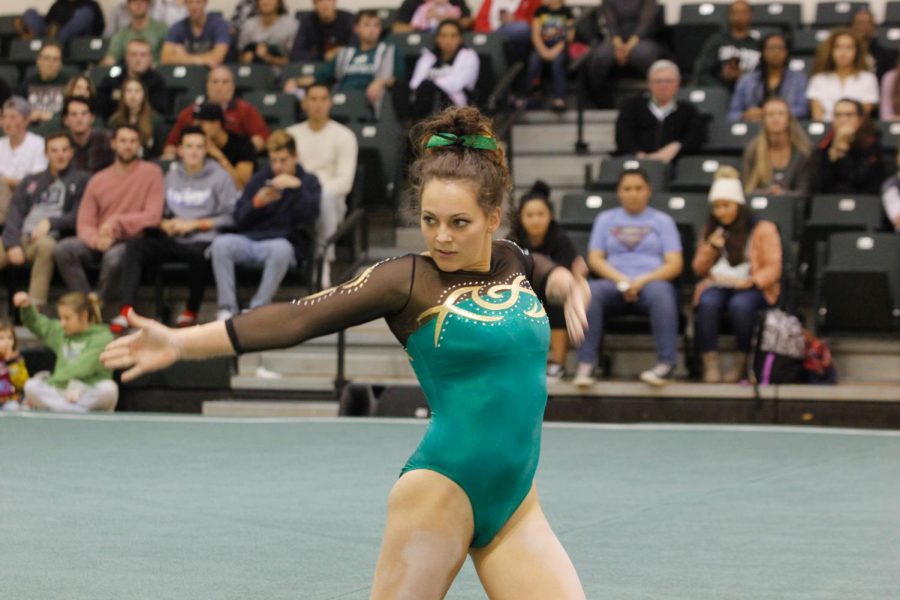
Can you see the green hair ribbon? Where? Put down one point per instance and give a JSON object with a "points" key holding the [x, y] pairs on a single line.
{"points": [[478, 142]]}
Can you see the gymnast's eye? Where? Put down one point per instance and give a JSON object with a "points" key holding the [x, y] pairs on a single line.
{"points": [[460, 222], [428, 220]]}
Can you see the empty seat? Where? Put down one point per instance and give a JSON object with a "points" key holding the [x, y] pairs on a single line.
{"points": [[578, 210], [785, 15], [709, 101], [695, 173], [892, 13], [704, 13], [183, 78], [890, 136], [837, 14], [380, 147], [610, 169], [806, 41], [10, 75], [688, 40], [729, 138], [409, 45], [351, 106], [250, 78], [300, 69], [279, 110], [832, 213], [690, 211], [802, 64], [816, 130], [87, 50], [98, 74], [22, 52]]}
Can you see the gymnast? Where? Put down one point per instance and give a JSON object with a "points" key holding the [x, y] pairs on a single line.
{"points": [[476, 334]]}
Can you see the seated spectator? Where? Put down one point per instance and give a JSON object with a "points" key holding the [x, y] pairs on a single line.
{"points": [[840, 72], [21, 152], [44, 89], [138, 64], [328, 150], [268, 37], [140, 26], [636, 251], [5, 92], [512, 19], [134, 109], [322, 32], [405, 14], [630, 43], [889, 107], [169, 12], [728, 55], [65, 20], [199, 39], [232, 151], [278, 201], [738, 261], [890, 196], [43, 211], [878, 60], [244, 10], [92, 146], [535, 230], [82, 86], [200, 199], [779, 161], [118, 204], [79, 382], [13, 371], [659, 126], [432, 12], [240, 116], [551, 31], [445, 75], [368, 64], [849, 156], [771, 78]]}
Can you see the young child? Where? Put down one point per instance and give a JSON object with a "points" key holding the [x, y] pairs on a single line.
{"points": [[430, 14], [551, 30], [79, 382], [13, 373]]}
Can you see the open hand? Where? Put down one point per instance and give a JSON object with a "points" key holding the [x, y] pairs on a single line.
{"points": [[575, 309], [153, 347]]}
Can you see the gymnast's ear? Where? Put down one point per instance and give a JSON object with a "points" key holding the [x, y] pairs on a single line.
{"points": [[494, 218]]}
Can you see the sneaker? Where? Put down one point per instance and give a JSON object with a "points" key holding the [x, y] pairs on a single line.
{"points": [[584, 375], [264, 373], [120, 323], [11, 406], [555, 372], [659, 375], [186, 319], [223, 314]]}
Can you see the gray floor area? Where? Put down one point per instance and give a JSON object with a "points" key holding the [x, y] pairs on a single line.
{"points": [[140, 507]]}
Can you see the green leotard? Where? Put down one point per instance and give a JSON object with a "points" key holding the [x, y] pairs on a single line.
{"points": [[478, 344]]}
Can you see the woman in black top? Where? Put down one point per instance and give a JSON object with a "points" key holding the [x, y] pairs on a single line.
{"points": [[849, 157]]}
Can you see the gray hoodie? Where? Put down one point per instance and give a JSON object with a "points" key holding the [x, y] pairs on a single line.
{"points": [[209, 194]]}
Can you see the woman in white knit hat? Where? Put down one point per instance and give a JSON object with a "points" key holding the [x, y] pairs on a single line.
{"points": [[738, 263]]}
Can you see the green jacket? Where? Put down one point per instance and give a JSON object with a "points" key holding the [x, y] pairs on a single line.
{"points": [[78, 356], [718, 50]]}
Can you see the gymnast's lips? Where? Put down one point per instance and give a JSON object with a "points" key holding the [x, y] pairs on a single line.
{"points": [[445, 253]]}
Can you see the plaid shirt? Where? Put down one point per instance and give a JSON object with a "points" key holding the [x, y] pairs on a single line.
{"points": [[96, 154]]}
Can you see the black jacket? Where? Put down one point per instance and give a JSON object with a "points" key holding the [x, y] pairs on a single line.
{"points": [[110, 90], [30, 189], [638, 130]]}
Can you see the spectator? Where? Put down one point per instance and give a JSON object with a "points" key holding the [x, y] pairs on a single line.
{"points": [[5, 92], [729, 54], [140, 26], [445, 75], [199, 39], [240, 116], [551, 30], [134, 109], [779, 160], [840, 72], [636, 251], [169, 12], [889, 108], [432, 12], [537, 231], [244, 10], [878, 60], [890, 196], [65, 20], [43, 211], [80, 85], [13, 372], [632, 27], [268, 37], [660, 127], [404, 17], [92, 146], [279, 200], [200, 199], [79, 383], [118, 204], [232, 151], [369, 64], [322, 32], [849, 156], [138, 64], [328, 150], [738, 260], [21, 152], [44, 89], [512, 19], [771, 78]]}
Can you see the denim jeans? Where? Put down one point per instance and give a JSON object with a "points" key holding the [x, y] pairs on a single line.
{"points": [[71, 254], [81, 24], [558, 68], [658, 298], [275, 255], [742, 306]]}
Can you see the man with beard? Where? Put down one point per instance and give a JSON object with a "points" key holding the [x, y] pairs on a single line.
{"points": [[118, 204]]}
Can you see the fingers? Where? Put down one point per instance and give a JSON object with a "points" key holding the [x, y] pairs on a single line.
{"points": [[139, 322], [132, 374]]}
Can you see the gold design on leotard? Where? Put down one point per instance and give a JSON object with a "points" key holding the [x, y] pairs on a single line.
{"points": [[350, 286], [449, 305]]}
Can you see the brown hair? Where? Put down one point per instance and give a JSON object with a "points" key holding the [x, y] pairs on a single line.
{"points": [[867, 134], [825, 53], [485, 168], [281, 140], [83, 303], [6, 325], [143, 120], [736, 234], [69, 89]]}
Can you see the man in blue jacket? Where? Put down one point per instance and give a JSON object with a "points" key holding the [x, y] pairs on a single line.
{"points": [[271, 216]]}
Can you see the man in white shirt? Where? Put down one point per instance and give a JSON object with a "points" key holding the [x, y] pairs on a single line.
{"points": [[328, 150], [21, 152]]}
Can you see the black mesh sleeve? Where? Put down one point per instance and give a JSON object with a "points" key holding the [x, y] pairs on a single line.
{"points": [[381, 291], [537, 267]]}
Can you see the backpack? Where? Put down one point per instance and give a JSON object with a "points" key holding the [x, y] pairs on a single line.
{"points": [[779, 349]]}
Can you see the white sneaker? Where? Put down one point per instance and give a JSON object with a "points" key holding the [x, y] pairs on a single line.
{"points": [[264, 373], [659, 375], [555, 372], [223, 314], [11, 406], [584, 375]]}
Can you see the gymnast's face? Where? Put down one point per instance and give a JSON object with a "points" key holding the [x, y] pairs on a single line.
{"points": [[457, 230]]}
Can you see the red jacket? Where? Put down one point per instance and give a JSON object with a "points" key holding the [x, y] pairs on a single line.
{"points": [[240, 117], [525, 12]]}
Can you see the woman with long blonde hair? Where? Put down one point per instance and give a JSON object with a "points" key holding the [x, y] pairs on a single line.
{"points": [[779, 160], [839, 71], [134, 109]]}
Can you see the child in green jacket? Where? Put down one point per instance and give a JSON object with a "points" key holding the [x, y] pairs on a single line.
{"points": [[79, 382]]}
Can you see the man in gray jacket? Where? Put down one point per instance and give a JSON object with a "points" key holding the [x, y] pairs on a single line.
{"points": [[43, 210], [200, 200]]}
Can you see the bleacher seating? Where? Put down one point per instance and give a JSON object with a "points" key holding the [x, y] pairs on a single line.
{"points": [[183, 78], [610, 169], [87, 50], [10, 75], [23, 52], [729, 138], [785, 15], [837, 14], [711, 102], [579, 209], [278, 109], [351, 106], [248, 78], [695, 173]]}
